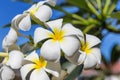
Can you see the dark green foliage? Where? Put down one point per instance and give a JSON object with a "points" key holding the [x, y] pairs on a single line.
{"points": [[115, 54]]}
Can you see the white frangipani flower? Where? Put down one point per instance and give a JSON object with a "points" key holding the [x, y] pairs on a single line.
{"points": [[39, 67], [15, 59], [12, 60], [59, 38], [90, 54], [6, 73], [51, 2], [10, 39], [22, 22], [38, 11]]}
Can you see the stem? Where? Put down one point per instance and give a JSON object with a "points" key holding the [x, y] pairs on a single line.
{"points": [[18, 33], [2, 54], [5, 60], [38, 21]]}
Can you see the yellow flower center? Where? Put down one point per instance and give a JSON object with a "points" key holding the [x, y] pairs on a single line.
{"points": [[58, 35], [41, 63], [32, 12], [85, 48]]}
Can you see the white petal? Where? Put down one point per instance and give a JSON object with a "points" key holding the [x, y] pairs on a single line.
{"points": [[25, 23], [34, 6], [15, 59], [7, 73], [82, 57], [70, 45], [25, 70], [56, 24], [32, 56], [41, 34], [92, 40], [16, 17], [50, 50], [12, 39], [17, 20], [69, 29], [31, 8], [40, 3], [14, 23], [8, 40], [82, 40], [53, 68], [39, 74], [97, 53], [52, 2], [90, 61], [55, 73], [5, 45], [43, 13]]}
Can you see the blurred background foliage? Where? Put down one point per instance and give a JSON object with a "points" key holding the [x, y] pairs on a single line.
{"points": [[97, 17]]}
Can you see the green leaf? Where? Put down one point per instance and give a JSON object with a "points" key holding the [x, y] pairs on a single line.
{"points": [[80, 3], [27, 1], [106, 7], [113, 29], [113, 6], [27, 47], [93, 9], [6, 26], [116, 15], [99, 4], [75, 73], [115, 54]]}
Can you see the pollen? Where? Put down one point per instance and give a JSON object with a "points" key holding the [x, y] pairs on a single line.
{"points": [[41, 63], [86, 49], [32, 12], [58, 35]]}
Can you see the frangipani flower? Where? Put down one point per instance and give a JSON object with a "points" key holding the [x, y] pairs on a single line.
{"points": [[12, 60], [90, 54], [39, 12], [22, 22], [38, 68], [6, 73], [51, 2], [10, 39], [59, 38]]}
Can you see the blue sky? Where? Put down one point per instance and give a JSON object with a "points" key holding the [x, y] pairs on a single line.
{"points": [[8, 9]]}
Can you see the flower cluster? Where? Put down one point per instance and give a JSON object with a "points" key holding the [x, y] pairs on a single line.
{"points": [[54, 41]]}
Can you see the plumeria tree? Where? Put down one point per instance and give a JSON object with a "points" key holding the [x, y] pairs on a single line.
{"points": [[61, 49]]}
